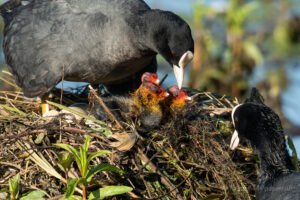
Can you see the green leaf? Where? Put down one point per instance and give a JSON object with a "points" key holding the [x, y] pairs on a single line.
{"points": [[96, 154], [83, 156], [70, 149], [86, 144], [294, 152], [102, 167], [65, 160], [83, 165], [73, 197], [72, 182], [40, 138], [34, 195], [82, 181], [109, 191], [106, 132], [14, 186]]}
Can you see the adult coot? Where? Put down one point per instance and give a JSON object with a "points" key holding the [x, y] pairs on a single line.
{"points": [[262, 127], [95, 41]]}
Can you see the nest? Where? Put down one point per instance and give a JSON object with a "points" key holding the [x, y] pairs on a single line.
{"points": [[187, 157]]}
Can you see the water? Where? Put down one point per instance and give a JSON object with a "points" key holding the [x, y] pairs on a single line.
{"points": [[290, 101], [291, 96]]}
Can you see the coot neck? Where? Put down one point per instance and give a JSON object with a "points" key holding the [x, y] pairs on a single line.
{"points": [[274, 161]]}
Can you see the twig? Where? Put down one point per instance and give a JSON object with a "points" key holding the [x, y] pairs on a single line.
{"points": [[7, 73], [164, 180], [177, 186], [9, 83], [217, 111], [232, 106], [61, 98], [19, 101], [26, 133], [13, 165], [105, 107], [211, 96], [23, 134], [62, 84], [6, 178]]}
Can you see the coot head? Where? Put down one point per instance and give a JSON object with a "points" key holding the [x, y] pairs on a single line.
{"points": [[258, 124], [173, 40]]}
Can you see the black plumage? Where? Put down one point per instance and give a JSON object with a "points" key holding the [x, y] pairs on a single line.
{"points": [[257, 123], [95, 41]]}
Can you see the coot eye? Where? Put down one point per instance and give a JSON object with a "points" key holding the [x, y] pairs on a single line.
{"points": [[173, 54], [236, 119]]}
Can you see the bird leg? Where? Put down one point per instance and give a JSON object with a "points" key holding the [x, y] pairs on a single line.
{"points": [[45, 105]]}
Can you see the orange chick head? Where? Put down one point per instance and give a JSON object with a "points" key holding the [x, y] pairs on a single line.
{"points": [[179, 94], [147, 76], [155, 89], [177, 98]]}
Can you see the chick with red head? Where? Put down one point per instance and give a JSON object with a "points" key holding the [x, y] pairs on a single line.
{"points": [[151, 77], [176, 101], [146, 102]]}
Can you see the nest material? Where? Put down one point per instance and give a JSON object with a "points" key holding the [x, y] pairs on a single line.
{"points": [[187, 157]]}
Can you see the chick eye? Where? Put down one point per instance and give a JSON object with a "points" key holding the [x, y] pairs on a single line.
{"points": [[173, 54], [236, 119]]}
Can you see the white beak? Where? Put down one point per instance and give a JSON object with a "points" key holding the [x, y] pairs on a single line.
{"points": [[234, 143], [235, 137], [185, 59]]}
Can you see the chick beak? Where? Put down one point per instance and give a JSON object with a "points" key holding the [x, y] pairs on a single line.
{"points": [[189, 99], [234, 140], [185, 59]]}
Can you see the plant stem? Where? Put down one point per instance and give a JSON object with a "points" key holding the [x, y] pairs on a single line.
{"points": [[66, 175], [83, 192], [13, 196]]}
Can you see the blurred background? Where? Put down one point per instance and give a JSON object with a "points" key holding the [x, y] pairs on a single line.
{"points": [[239, 44]]}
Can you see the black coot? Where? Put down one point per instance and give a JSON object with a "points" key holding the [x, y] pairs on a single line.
{"points": [[257, 123], [95, 41]]}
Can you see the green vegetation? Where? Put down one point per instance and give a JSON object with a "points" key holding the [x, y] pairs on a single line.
{"points": [[14, 191], [231, 43], [87, 172]]}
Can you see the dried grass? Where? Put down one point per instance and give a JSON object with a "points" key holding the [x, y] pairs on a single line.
{"points": [[188, 157]]}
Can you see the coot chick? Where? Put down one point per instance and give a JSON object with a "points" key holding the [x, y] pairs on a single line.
{"points": [[147, 104], [257, 123], [176, 101], [95, 41], [144, 104]]}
